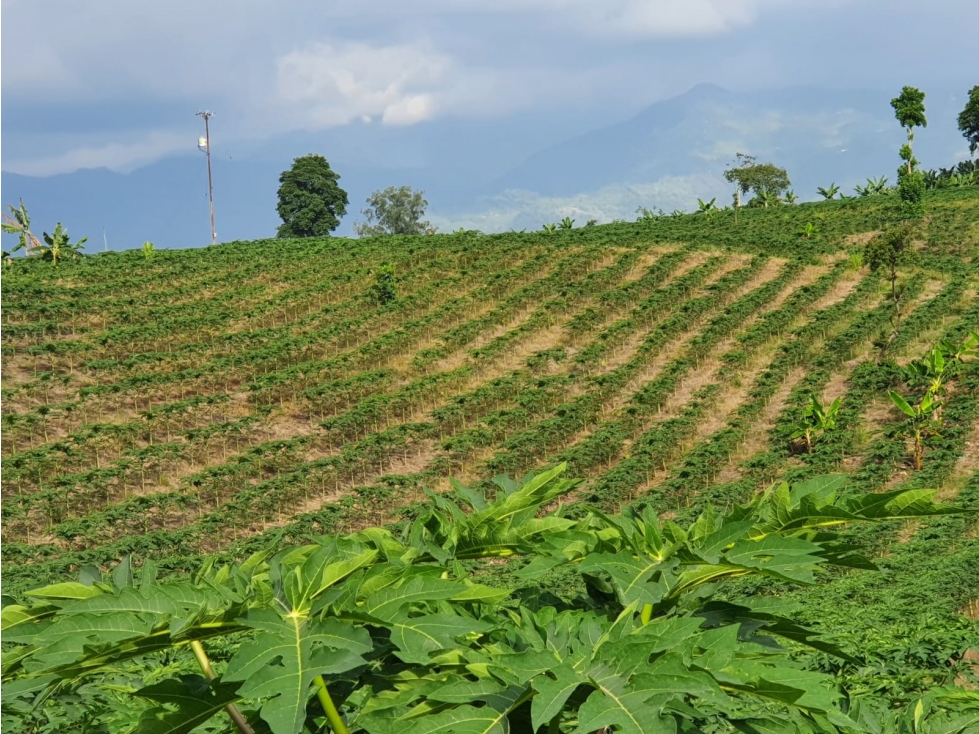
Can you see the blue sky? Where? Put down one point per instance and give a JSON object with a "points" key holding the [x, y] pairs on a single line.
{"points": [[115, 84]]}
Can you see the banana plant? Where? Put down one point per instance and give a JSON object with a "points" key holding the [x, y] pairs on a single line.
{"points": [[829, 192], [922, 421], [550, 227], [791, 197], [767, 198], [57, 245], [566, 223], [148, 250], [707, 208], [20, 224], [388, 633], [816, 420], [808, 231]]}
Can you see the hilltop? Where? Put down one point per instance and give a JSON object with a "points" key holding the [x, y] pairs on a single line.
{"points": [[256, 394]]}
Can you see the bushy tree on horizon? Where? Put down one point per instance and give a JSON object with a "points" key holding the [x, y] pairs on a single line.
{"points": [[311, 201], [395, 210], [969, 120], [909, 109], [765, 180]]}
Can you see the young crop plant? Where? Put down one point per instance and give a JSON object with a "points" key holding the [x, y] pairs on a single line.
{"points": [[816, 421], [550, 228], [384, 290], [566, 223], [829, 192], [886, 253], [388, 633], [808, 230], [922, 422], [149, 249]]}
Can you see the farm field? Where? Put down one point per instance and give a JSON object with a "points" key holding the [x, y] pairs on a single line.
{"points": [[259, 394]]}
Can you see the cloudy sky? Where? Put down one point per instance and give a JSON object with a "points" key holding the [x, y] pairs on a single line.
{"points": [[114, 83]]}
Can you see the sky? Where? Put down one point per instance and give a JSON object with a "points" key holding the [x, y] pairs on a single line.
{"points": [[115, 83]]}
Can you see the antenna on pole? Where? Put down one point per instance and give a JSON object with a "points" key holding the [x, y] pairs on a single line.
{"points": [[204, 144]]}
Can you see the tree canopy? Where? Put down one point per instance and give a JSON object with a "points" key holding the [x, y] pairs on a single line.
{"points": [[759, 178], [969, 120], [396, 210], [909, 108], [311, 201]]}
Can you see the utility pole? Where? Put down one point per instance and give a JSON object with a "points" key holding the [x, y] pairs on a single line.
{"points": [[205, 145]]}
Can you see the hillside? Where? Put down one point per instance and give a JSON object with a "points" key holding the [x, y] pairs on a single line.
{"points": [[258, 393]]}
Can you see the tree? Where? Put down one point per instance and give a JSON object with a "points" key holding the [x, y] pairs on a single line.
{"points": [[396, 210], [969, 120], [909, 109], [383, 290], [750, 176], [310, 200], [888, 252]]}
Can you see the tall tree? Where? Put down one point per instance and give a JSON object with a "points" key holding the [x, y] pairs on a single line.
{"points": [[909, 109], [311, 201], [396, 210], [969, 120], [765, 180]]}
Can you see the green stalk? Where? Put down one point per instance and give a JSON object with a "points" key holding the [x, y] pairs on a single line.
{"points": [[332, 715], [233, 712], [646, 614], [554, 727]]}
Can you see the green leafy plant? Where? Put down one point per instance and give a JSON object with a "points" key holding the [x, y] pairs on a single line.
{"points": [[766, 180], [395, 210], [791, 197], [707, 208], [384, 290], [389, 632], [566, 223], [816, 421], [19, 222], [922, 421], [887, 253], [550, 228], [969, 120], [149, 249], [57, 245], [829, 192], [808, 230]]}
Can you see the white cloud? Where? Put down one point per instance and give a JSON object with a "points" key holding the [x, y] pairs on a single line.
{"points": [[122, 156], [529, 210], [333, 84]]}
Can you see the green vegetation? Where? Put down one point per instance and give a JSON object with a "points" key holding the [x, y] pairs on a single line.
{"points": [[969, 120], [311, 201], [395, 210], [909, 109], [230, 469]]}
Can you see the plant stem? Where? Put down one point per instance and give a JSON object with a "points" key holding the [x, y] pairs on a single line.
{"points": [[332, 715], [554, 727], [646, 614], [205, 663]]}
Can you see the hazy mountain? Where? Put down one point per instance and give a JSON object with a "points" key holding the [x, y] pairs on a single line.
{"points": [[498, 174]]}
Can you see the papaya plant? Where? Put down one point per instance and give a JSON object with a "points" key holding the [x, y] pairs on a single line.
{"points": [[386, 632]]}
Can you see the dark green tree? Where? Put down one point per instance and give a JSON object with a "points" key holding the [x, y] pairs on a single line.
{"points": [[969, 120], [909, 109], [766, 180], [396, 210], [310, 200]]}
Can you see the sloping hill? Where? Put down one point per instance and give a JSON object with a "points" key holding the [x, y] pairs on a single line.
{"points": [[220, 400]]}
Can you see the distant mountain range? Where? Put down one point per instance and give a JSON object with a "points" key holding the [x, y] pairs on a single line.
{"points": [[497, 174]]}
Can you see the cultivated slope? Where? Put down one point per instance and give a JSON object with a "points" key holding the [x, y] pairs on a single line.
{"points": [[218, 400]]}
